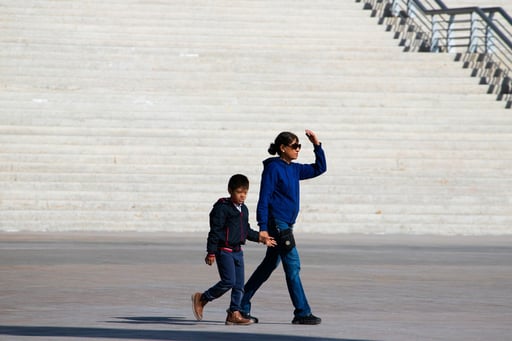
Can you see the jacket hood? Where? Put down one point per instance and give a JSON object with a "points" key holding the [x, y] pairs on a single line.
{"points": [[224, 201], [268, 161]]}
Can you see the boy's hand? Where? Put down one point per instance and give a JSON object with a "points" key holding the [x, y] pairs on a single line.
{"points": [[209, 259]]}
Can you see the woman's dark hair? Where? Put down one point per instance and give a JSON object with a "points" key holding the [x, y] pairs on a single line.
{"points": [[237, 181], [285, 138]]}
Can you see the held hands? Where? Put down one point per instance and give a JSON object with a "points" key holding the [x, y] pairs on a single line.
{"points": [[266, 239], [312, 137], [263, 238], [209, 259]]}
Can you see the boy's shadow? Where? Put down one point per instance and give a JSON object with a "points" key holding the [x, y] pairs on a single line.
{"points": [[158, 320]]}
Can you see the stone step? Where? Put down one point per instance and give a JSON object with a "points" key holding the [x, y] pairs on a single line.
{"points": [[154, 221], [94, 126], [39, 137], [190, 52], [321, 62], [338, 69], [150, 208]]}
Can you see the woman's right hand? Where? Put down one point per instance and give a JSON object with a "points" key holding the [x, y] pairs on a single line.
{"points": [[266, 239], [312, 137]]}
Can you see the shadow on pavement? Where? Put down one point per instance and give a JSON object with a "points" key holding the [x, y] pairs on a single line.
{"points": [[139, 334], [181, 321], [172, 320]]}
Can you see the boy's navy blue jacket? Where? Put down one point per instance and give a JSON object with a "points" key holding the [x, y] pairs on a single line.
{"points": [[228, 226]]}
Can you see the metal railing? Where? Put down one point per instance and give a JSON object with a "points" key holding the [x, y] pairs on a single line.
{"points": [[480, 37]]}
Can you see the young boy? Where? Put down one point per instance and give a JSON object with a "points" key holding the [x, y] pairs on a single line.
{"points": [[229, 228]]}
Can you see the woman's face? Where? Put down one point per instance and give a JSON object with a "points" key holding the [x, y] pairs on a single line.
{"points": [[290, 152]]}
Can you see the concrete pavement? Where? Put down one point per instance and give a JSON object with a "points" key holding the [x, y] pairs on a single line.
{"points": [[137, 286]]}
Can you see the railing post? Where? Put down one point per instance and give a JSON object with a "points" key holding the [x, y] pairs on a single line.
{"points": [[489, 36], [473, 38], [411, 9], [450, 45], [434, 40], [395, 8]]}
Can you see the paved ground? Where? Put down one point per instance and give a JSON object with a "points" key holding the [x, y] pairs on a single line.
{"points": [[76, 286]]}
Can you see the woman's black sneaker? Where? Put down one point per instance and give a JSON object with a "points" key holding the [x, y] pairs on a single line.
{"points": [[310, 319], [248, 316]]}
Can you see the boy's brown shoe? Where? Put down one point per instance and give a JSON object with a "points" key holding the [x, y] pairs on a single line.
{"points": [[197, 305], [234, 317]]}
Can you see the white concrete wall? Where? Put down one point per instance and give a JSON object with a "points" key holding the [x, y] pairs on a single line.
{"points": [[132, 115]]}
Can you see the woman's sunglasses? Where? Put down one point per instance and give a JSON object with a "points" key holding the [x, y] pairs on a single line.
{"points": [[295, 146]]}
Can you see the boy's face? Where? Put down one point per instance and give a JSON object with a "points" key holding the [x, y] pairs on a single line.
{"points": [[238, 195]]}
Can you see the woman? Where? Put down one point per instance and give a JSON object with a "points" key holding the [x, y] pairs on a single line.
{"points": [[277, 210]]}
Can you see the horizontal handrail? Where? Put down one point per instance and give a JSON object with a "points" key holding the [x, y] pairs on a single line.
{"points": [[500, 11]]}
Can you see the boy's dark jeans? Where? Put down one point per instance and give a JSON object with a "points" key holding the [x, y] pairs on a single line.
{"points": [[231, 271]]}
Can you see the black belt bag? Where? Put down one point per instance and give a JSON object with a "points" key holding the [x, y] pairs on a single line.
{"points": [[286, 240]]}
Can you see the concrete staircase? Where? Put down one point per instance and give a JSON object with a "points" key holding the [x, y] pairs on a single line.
{"points": [[130, 115]]}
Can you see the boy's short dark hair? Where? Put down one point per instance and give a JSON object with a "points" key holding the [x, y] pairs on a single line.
{"points": [[237, 181]]}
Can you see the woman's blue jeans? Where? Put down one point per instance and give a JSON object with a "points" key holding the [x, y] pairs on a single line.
{"points": [[291, 266]]}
